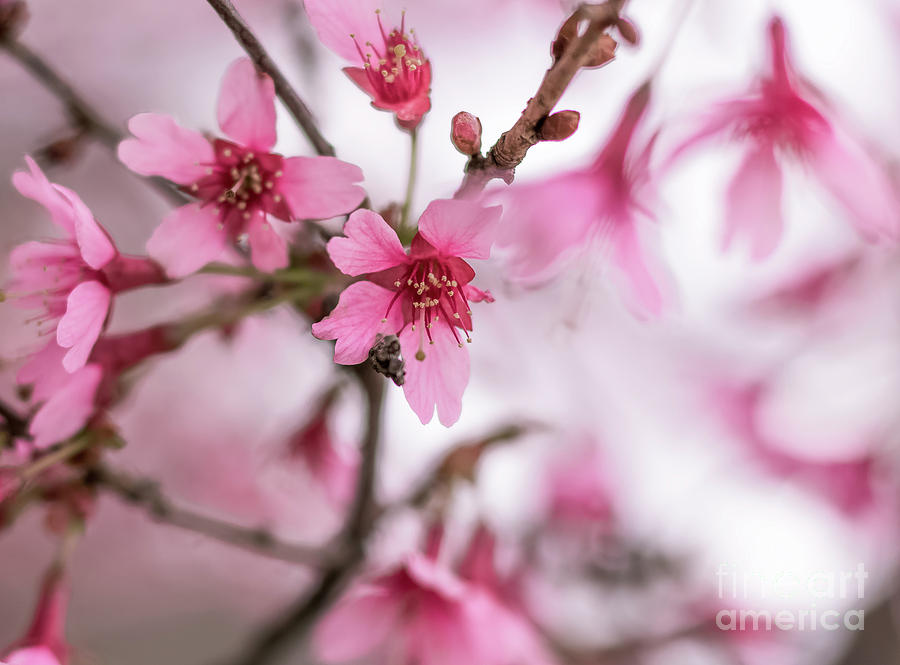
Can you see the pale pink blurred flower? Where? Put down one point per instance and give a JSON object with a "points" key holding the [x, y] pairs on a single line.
{"points": [[423, 614], [846, 484], [780, 123], [577, 489], [44, 642], [393, 71], [239, 183], [810, 289], [422, 297], [72, 280], [333, 466], [547, 222]]}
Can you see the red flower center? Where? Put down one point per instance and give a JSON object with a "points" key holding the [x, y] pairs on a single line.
{"points": [[396, 72], [431, 290], [241, 183]]}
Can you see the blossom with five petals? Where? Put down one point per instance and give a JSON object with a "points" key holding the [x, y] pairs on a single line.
{"points": [[240, 183], [423, 297]]}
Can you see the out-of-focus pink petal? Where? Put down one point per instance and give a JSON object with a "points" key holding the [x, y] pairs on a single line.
{"points": [[753, 203], [36, 187], [545, 221], [268, 250], [188, 238], [460, 228], [859, 183], [370, 245], [96, 248], [320, 187], [32, 656], [79, 328], [68, 409], [335, 22], [357, 625], [643, 293], [440, 379], [246, 110], [474, 294], [161, 147], [44, 371], [357, 320]]}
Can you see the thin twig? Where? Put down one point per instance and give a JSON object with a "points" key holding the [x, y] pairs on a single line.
{"points": [[147, 495], [510, 149], [81, 114], [300, 619], [265, 64]]}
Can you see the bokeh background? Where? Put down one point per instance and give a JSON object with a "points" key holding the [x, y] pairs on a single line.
{"points": [[657, 403]]}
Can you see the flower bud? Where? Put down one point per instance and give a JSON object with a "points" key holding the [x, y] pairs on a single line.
{"points": [[13, 15], [559, 126], [465, 133], [602, 50]]}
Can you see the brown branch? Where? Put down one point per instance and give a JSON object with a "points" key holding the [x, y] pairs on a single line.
{"points": [[264, 63], [301, 618], [82, 115], [147, 495], [510, 149]]}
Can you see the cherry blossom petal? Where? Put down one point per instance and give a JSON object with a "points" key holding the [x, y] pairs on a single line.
{"points": [[544, 222], [32, 656], [859, 183], [440, 379], [320, 187], [335, 22], [246, 110], [86, 311], [369, 245], [68, 409], [162, 147], [44, 371], [753, 203], [357, 320], [96, 247], [268, 249], [359, 76], [36, 187], [460, 228], [188, 238], [643, 293], [357, 625]]}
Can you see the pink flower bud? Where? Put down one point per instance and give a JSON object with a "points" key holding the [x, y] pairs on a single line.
{"points": [[465, 133], [559, 126]]}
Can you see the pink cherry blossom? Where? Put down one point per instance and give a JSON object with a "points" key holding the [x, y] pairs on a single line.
{"points": [[239, 184], [72, 280], [44, 642], [780, 123], [69, 400], [393, 71], [578, 489], [423, 614], [547, 223], [423, 297]]}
